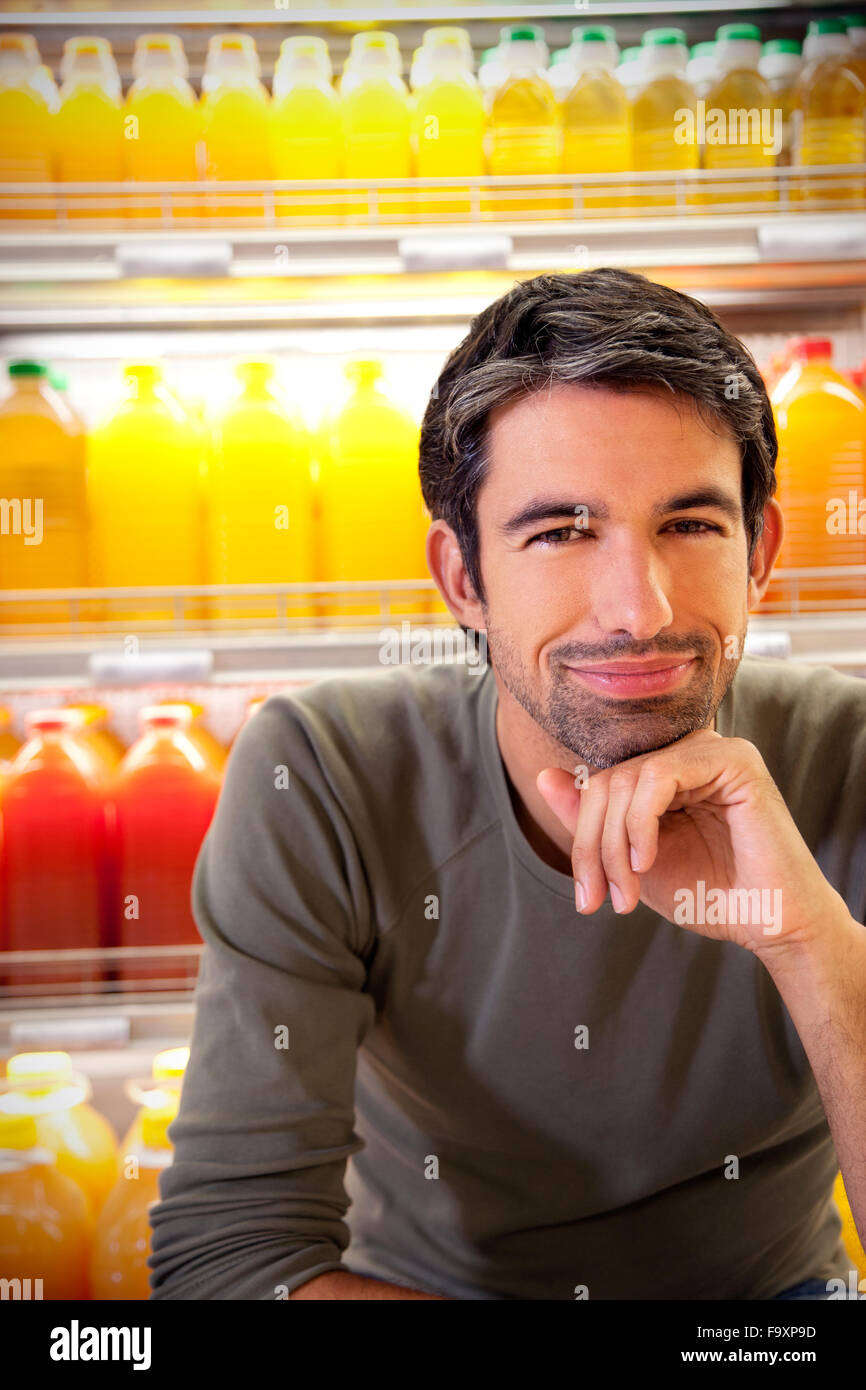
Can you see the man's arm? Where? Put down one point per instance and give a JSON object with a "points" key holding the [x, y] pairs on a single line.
{"points": [[823, 986], [341, 1284]]}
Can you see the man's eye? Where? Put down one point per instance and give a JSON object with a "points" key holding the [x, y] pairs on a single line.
{"points": [[562, 532], [693, 521]]}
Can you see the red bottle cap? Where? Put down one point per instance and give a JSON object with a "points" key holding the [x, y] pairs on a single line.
{"points": [[806, 349]]}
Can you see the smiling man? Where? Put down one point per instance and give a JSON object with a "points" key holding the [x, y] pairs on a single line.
{"points": [[548, 981]]}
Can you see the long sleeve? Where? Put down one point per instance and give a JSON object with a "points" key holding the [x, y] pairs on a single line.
{"points": [[254, 1201]]}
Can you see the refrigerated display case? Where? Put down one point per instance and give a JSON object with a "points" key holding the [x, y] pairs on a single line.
{"points": [[98, 283]]}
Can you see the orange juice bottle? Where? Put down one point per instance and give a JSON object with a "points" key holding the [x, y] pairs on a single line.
{"points": [[374, 105], [9, 741], [198, 732], [83, 1142], [145, 488], [46, 1226], [368, 470], [306, 127], [523, 135], [27, 127], [821, 468], [90, 144], [121, 1246], [829, 114], [106, 744], [752, 136], [664, 117], [260, 494], [447, 122], [43, 478], [236, 126], [159, 1092], [162, 127], [595, 115]]}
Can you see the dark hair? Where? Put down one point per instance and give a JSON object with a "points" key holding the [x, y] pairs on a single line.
{"points": [[606, 327]]}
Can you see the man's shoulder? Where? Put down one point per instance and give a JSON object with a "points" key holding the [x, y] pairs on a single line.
{"points": [[766, 688]]}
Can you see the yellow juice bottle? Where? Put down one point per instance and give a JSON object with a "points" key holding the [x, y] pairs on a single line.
{"points": [[236, 127], [122, 1238], [821, 467], [90, 143], [596, 117], [27, 127], [855, 30], [44, 1084], [780, 65], [374, 105], [372, 521], [524, 135], [46, 1224], [162, 127], [145, 490], [664, 119], [43, 482], [9, 740], [260, 495], [829, 115], [159, 1092], [448, 128], [306, 126], [743, 129]]}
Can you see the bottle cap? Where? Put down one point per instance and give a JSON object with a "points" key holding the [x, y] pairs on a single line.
{"points": [[27, 368]]}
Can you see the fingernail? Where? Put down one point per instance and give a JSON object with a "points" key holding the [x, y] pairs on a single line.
{"points": [[579, 895], [633, 857], [616, 898]]}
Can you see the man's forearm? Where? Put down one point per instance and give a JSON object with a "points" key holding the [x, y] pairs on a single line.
{"points": [[824, 989], [338, 1283]]}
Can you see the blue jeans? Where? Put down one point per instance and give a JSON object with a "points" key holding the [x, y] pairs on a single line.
{"points": [[810, 1288]]}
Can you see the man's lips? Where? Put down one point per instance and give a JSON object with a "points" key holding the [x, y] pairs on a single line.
{"points": [[635, 677]]}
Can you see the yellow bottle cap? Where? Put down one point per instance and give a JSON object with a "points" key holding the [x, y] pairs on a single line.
{"points": [[170, 1063], [39, 1066]]}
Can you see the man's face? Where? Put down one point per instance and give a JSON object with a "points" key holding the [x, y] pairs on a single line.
{"points": [[648, 572]]}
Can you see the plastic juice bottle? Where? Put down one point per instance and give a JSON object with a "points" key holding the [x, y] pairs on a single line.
{"points": [[374, 104], [146, 494], [701, 67], [561, 76], [162, 127], [160, 1092], [46, 1226], [742, 128], [122, 1242], [524, 136], [43, 477], [629, 71], [55, 844], [596, 118], [27, 121], [198, 732], [372, 518], [261, 518], [850, 1238], [83, 1142], [448, 128], [821, 468], [780, 65], [491, 73], [9, 742], [106, 744], [236, 120], [165, 793], [90, 143], [664, 118], [306, 125], [829, 114], [855, 29]]}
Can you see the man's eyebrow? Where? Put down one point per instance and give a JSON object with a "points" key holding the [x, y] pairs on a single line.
{"points": [[548, 508]]}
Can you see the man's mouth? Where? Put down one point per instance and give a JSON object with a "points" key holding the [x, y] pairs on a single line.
{"points": [[650, 677]]}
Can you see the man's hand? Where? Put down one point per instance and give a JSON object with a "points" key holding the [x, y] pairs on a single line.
{"points": [[667, 828]]}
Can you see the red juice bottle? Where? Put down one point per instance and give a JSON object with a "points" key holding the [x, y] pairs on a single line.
{"points": [[165, 794], [55, 848]]}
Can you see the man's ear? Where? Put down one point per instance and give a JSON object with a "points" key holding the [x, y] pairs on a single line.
{"points": [[445, 563], [766, 551]]}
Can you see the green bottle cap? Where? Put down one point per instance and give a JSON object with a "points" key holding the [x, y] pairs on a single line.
{"points": [[628, 55], [487, 55], [592, 33], [702, 50], [28, 369], [738, 31], [559, 55], [853, 21], [782, 46], [827, 26], [664, 36], [514, 33]]}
